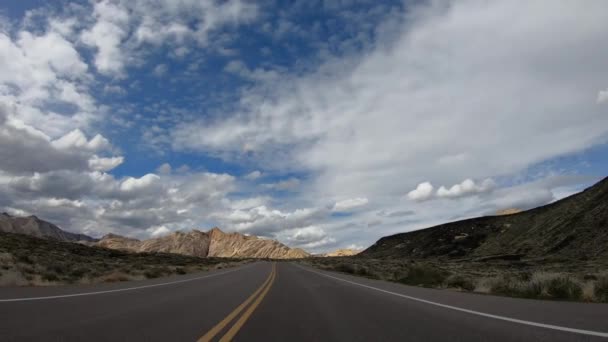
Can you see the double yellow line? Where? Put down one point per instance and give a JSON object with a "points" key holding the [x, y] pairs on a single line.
{"points": [[256, 297]]}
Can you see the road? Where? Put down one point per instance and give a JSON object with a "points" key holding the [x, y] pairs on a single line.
{"points": [[285, 302]]}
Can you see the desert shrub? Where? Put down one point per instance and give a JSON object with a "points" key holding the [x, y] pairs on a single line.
{"points": [[505, 286], [345, 267], [529, 289], [180, 270], [590, 277], [59, 268], [461, 282], [156, 272], [78, 272], [115, 277], [564, 288], [138, 265], [152, 273], [424, 275], [540, 285], [24, 258], [50, 276], [601, 289]]}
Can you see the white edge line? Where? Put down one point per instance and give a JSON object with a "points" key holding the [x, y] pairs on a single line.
{"points": [[473, 312], [23, 299]]}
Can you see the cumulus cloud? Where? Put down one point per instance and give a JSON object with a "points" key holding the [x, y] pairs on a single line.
{"points": [[165, 169], [138, 184], [253, 175], [310, 238], [423, 192], [104, 164], [158, 231], [106, 35], [349, 204], [77, 139], [25, 149], [467, 187], [44, 69], [266, 221], [122, 28], [97, 202]]}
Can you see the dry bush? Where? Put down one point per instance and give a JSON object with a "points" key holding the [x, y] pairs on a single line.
{"points": [[424, 275], [115, 277], [460, 282], [538, 285], [564, 287], [601, 289], [13, 278]]}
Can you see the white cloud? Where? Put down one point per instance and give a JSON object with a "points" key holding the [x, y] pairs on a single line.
{"points": [[121, 28], [136, 184], [77, 139], [602, 96], [349, 204], [158, 231], [467, 187], [423, 192], [107, 35], [25, 149], [104, 164], [160, 70], [253, 175], [310, 238], [41, 69], [97, 202], [165, 169], [266, 221]]}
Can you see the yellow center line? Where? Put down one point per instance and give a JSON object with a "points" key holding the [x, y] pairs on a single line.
{"points": [[239, 324], [217, 328]]}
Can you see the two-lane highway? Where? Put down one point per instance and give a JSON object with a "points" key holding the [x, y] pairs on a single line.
{"points": [[285, 302]]}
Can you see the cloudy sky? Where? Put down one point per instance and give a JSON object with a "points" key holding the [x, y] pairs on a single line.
{"points": [[324, 124]]}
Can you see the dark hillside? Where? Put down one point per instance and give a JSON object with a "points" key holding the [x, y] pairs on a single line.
{"points": [[574, 228]]}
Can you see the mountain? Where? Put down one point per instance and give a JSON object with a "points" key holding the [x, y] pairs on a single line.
{"points": [[342, 252], [213, 243], [509, 211], [32, 225], [574, 228]]}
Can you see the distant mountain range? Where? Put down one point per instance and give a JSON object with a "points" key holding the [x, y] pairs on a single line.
{"points": [[574, 228], [33, 226], [213, 243]]}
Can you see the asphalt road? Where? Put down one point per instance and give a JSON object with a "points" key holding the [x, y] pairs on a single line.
{"points": [[285, 302]]}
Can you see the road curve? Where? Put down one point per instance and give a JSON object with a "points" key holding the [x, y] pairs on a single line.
{"points": [[285, 302]]}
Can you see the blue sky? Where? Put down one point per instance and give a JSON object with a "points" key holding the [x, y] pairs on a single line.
{"points": [[324, 124]]}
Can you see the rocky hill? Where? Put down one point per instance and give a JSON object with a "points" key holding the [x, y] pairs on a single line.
{"points": [[33, 226], [574, 228], [213, 243], [342, 252]]}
